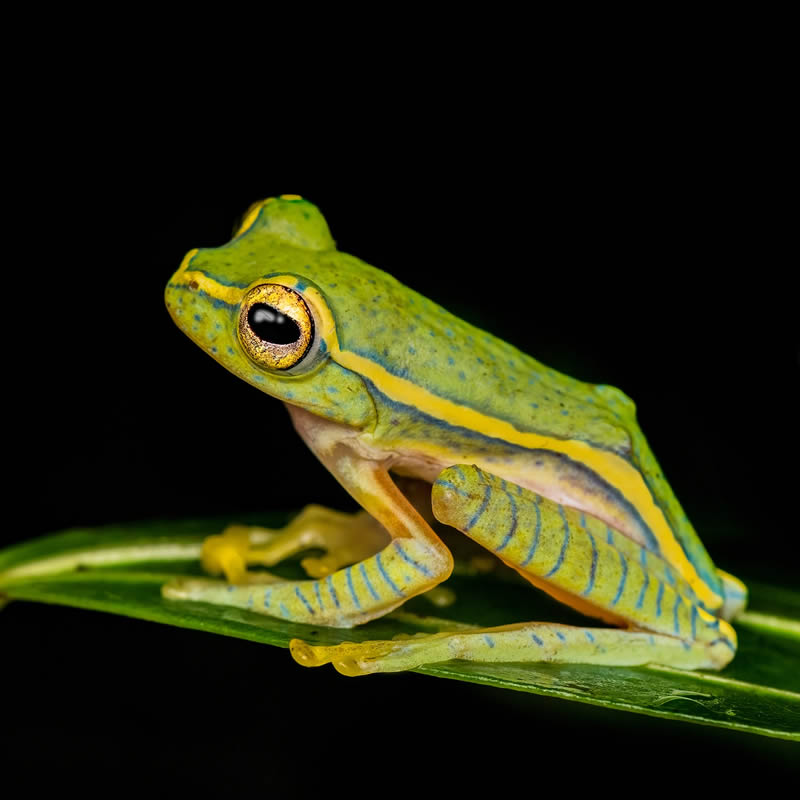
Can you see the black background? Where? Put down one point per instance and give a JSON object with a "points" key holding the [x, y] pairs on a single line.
{"points": [[635, 244]]}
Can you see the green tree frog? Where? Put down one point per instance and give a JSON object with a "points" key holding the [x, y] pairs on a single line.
{"points": [[550, 474]]}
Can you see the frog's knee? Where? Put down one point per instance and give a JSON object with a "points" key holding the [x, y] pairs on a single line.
{"points": [[456, 494]]}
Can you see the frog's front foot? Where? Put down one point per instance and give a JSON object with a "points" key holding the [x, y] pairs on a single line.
{"points": [[344, 538]]}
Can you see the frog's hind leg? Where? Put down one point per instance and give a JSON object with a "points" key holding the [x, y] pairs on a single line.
{"points": [[577, 559]]}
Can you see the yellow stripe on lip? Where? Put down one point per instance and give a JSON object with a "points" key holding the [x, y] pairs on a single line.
{"points": [[228, 294]]}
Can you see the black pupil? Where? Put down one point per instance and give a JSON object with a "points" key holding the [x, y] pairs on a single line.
{"points": [[270, 325]]}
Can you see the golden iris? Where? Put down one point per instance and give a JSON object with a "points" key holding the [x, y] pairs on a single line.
{"points": [[276, 328]]}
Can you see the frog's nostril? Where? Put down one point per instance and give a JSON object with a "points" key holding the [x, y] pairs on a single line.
{"points": [[194, 285]]}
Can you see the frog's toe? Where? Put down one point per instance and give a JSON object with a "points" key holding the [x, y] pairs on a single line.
{"points": [[226, 554], [347, 658], [364, 658]]}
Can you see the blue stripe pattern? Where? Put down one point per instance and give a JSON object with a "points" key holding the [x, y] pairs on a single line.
{"points": [[513, 529], [536, 533], [303, 598], [561, 636], [488, 640], [318, 594], [589, 636], [453, 488], [564, 544], [678, 602], [332, 590], [386, 575], [658, 598], [407, 558], [694, 622], [477, 515], [352, 588], [624, 564], [593, 567], [643, 589], [456, 468], [536, 639], [366, 580]]}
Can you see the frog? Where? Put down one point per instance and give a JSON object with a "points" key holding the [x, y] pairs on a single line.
{"points": [[548, 474]]}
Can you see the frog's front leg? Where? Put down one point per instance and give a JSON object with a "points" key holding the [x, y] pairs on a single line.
{"points": [[576, 558], [345, 538], [413, 561]]}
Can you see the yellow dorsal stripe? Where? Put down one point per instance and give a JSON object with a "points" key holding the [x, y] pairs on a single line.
{"points": [[612, 468]]}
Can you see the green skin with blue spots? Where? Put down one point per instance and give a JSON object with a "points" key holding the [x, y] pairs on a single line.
{"points": [[380, 319]]}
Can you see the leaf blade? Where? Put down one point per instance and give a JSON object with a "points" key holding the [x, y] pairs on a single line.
{"points": [[103, 570]]}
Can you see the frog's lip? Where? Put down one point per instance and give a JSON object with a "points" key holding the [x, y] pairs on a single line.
{"points": [[183, 313], [172, 307]]}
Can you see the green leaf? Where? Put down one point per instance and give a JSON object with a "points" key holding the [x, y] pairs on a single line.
{"points": [[120, 569]]}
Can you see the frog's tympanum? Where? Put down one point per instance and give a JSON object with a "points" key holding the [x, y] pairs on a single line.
{"points": [[550, 474]]}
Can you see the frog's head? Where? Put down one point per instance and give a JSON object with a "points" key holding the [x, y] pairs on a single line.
{"points": [[253, 305]]}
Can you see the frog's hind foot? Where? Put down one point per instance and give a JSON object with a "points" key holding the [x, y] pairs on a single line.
{"points": [[344, 538], [530, 642]]}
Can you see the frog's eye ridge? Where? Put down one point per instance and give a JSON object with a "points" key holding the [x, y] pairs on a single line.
{"points": [[276, 327]]}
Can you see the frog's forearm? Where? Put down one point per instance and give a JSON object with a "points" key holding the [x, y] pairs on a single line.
{"points": [[413, 562]]}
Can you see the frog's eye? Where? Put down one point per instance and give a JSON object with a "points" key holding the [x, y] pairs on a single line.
{"points": [[276, 328]]}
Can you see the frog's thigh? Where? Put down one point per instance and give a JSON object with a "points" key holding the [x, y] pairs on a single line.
{"points": [[578, 559], [414, 561], [345, 538]]}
